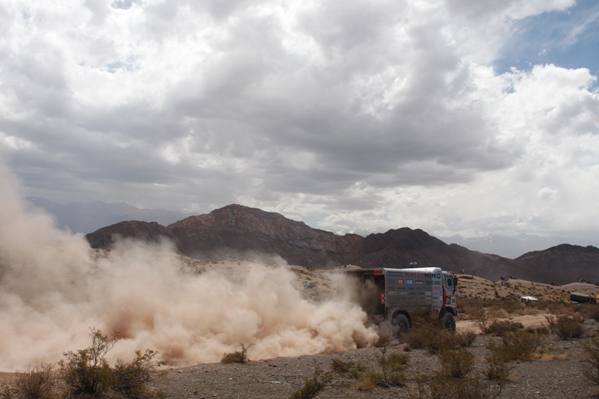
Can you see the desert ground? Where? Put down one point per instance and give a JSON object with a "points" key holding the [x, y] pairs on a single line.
{"points": [[554, 372]]}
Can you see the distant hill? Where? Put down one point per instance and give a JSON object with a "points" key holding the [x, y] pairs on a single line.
{"points": [[241, 230], [88, 217]]}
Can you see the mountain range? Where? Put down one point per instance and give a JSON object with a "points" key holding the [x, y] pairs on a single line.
{"points": [[242, 231]]}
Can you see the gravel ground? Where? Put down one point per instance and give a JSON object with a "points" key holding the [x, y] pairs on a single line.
{"points": [[558, 377]]}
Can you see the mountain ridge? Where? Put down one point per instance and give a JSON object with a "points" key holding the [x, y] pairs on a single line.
{"points": [[242, 230]]}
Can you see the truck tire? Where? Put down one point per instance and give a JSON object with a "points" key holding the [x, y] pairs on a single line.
{"points": [[448, 321], [403, 323]]}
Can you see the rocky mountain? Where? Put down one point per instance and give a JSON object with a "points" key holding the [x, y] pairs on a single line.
{"points": [[240, 230]]}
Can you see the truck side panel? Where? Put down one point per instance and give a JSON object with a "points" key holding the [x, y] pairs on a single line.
{"points": [[414, 289]]}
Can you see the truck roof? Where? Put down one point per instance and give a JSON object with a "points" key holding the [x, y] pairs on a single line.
{"points": [[379, 270]]}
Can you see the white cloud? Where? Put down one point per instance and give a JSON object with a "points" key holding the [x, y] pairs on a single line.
{"points": [[363, 115]]}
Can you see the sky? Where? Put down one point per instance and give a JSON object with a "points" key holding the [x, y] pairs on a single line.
{"points": [[469, 117]]}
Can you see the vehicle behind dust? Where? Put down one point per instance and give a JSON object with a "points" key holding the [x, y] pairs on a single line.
{"points": [[397, 295]]}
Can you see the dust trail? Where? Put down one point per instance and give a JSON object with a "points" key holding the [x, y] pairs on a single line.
{"points": [[52, 290]]}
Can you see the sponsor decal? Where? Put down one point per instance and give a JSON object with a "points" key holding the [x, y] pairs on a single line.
{"points": [[403, 293], [391, 288], [428, 293], [393, 293], [409, 282], [420, 275], [437, 283], [400, 282], [420, 282], [437, 288]]}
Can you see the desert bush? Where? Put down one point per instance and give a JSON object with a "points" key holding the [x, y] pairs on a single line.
{"points": [[455, 379], [565, 326], [482, 321], [465, 338], [589, 312], [538, 330], [38, 382], [590, 364], [500, 327], [339, 366], [86, 372], [236, 357], [390, 373], [443, 387], [391, 367], [313, 385], [498, 369], [560, 308], [470, 306], [519, 345], [130, 378], [432, 337], [456, 363]]}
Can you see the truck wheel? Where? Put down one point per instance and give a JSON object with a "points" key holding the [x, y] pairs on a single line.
{"points": [[448, 321], [403, 323]]}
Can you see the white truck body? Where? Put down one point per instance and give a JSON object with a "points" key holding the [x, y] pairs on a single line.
{"points": [[399, 294]]}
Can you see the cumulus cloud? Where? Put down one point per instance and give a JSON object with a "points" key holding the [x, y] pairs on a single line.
{"points": [[308, 108]]}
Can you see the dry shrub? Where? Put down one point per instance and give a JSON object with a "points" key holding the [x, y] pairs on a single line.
{"points": [[498, 369], [236, 357], [130, 379], [390, 373], [455, 380], [519, 345], [456, 363], [86, 373], [313, 385], [471, 387], [432, 337], [339, 366], [482, 321], [465, 338], [470, 306], [589, 312], [38, 382], [500, 327], [565, 326], [590, 364], [560, 309]]}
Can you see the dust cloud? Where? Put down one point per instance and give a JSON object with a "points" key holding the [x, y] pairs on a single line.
{"points": [[54, 288]]}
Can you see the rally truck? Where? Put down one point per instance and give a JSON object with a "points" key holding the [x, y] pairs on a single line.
{"points": [[397, 295]]}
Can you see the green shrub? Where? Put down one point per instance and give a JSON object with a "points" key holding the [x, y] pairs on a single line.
{"points": [[498, 369], [565, 326], [38, 382], [391, 367], [313, 385], [236, 357]]}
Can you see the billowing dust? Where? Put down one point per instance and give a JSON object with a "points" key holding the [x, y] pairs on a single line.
{"points": [[52, 291]]}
